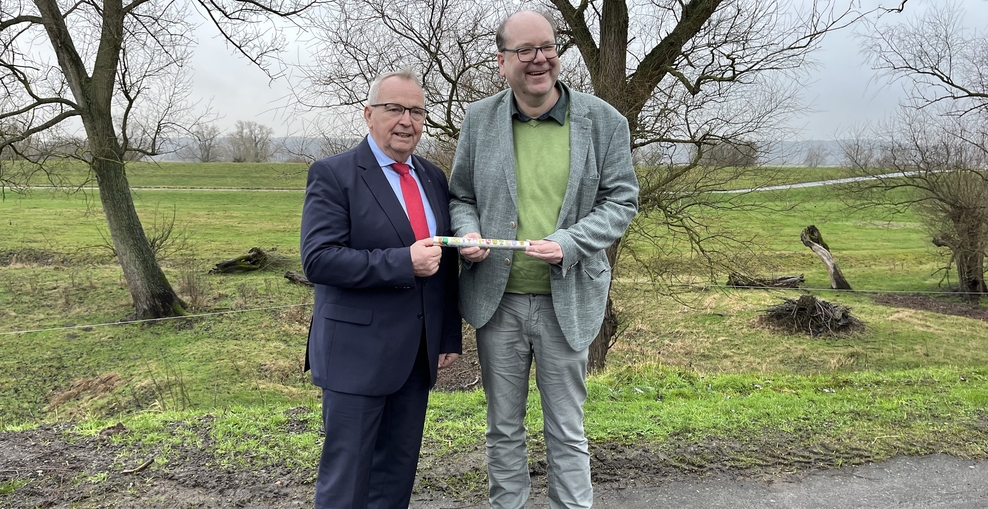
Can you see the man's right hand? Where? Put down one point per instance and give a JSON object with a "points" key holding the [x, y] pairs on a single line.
{"points": [[425, 257], [473, 253]]}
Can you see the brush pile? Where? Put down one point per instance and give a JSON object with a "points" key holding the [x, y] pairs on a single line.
{"points": [[812, 316]]}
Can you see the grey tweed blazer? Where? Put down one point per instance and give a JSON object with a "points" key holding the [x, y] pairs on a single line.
{"points": [[600, 201]]}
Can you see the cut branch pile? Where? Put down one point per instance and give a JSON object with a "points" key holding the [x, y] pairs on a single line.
{"points": [[742, 281], [813, 316]]}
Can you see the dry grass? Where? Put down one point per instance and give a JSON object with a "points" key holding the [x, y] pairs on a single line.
{"points": [[86, 389], [719, 332]]}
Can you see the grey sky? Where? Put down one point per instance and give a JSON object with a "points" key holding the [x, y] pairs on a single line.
{"points": [[235, 88], [842, 92]]}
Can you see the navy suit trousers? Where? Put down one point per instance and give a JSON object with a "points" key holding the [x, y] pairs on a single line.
{"points": [[371, 450]]}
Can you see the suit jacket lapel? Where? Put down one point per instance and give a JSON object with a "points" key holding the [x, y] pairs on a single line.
{"points": [[506, 146], [579, 145], [373, 176]]}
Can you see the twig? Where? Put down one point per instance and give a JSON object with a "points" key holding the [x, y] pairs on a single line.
{"points": [[138, 469]]}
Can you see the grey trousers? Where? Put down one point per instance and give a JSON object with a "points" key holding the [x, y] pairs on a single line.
{"points": [[524, 328]]}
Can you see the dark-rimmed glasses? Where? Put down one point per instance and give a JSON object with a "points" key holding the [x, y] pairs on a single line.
{"points": [[528, 54], [397, 110]]}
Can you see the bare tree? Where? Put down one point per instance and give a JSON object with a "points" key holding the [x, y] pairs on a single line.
{"points": [[816, 156], [936, 146], [204, 143], [738, 154], [116, 69], [250, 142], [934, 56], [687, 75]]}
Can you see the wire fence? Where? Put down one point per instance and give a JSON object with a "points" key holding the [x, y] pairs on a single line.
{"points": [[153, 320], [694, 286]]}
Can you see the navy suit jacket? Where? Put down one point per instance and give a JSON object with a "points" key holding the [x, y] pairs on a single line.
{"points": [[370, 309]]}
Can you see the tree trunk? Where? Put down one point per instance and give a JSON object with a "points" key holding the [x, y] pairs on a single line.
{"points": [[608, 329], [152, 294], [149, 288], [971, 274], [813, 239], [607, 66]]}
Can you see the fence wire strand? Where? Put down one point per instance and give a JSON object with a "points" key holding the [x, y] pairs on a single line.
{"points": [[152, 320], [287, 306]]}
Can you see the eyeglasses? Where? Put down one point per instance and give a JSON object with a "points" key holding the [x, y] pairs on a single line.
{"points": [[397, 110], [528, 54]]}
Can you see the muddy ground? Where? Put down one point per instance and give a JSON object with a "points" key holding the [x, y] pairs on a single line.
{"points": [[48, 467]]}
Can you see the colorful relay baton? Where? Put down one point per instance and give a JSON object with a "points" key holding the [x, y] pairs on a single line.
{"points": [[485, 243]]}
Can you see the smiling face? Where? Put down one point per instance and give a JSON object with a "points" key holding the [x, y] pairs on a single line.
{"points": [[532, 82], [396, 136]]}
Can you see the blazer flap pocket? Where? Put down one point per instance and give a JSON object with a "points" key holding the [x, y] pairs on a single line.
{"points": [[347, 314], [596, 269]]}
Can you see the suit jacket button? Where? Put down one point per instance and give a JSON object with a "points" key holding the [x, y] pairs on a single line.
{"points": [[507, 261], [421, 315], [513, 224]]}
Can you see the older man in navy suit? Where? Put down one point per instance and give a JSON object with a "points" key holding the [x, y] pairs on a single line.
{"points": [[385, 316]]}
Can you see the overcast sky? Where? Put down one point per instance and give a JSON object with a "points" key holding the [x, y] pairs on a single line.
{"points": [[842, 93]]}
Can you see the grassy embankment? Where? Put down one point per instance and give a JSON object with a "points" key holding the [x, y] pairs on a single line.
{"points": [[913, 382]]}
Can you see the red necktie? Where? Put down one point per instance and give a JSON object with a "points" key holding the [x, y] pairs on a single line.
{"points": [[413, 201]]}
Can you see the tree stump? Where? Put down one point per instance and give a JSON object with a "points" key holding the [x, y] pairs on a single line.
{"points": [[813, 239], [253, 260]]}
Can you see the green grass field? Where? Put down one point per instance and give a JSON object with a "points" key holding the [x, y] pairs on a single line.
{"points": [[695, 368]]}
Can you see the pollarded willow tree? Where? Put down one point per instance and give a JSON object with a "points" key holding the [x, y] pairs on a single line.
{"points": [[932, 156], [116, 68], [688, 75]]}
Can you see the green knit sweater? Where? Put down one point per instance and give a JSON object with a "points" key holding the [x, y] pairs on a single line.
{"points": [[541, 172]]}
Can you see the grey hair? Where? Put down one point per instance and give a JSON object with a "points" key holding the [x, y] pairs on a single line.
{"points": [[499, 36], [407, 73]]}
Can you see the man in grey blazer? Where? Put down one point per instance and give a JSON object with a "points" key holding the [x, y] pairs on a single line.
{"points": [[544, 163]]}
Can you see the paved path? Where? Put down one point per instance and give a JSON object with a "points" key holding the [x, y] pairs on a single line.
{"points": [[923, 482]]}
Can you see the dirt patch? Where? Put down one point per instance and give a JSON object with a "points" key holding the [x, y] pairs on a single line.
{"points": [[943, 305], [50, 467], [464, 374], [28, 257]]}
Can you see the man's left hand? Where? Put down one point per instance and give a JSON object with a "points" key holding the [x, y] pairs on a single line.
{"points": [[548, 251], [445, 359]]}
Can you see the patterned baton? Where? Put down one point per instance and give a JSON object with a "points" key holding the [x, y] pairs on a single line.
{"points": [[486, 243]]}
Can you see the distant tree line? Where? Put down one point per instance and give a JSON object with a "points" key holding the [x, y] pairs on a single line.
{"points": [[248, 142]]}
